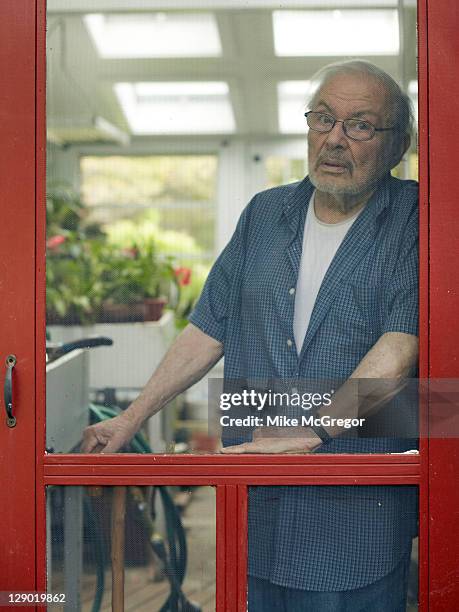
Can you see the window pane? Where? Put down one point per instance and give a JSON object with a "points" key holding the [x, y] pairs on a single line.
{"points": [[332, 548], [136, 220], [167, 199], [163, 539]]}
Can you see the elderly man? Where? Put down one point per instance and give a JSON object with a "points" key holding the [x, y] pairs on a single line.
{"points": [[319, 281]]}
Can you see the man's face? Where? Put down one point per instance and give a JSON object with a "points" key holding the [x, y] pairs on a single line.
{"points": [[337, 164]]}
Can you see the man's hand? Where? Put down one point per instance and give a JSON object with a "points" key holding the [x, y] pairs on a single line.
{"points": [[274, 440], [190, 357], [108, 436]]}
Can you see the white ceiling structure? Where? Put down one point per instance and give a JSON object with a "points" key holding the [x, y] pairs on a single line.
{"points": [[132, 70]]}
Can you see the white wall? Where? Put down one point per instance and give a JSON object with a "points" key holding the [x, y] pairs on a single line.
{"points": [[62, 165], [242, 174]]}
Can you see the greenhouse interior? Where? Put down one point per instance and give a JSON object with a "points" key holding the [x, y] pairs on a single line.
{"points": [[164, 119]]}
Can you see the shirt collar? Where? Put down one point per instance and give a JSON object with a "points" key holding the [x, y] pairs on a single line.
{"points": [[297, 201]]}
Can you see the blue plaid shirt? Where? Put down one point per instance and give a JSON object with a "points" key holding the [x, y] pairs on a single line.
{"points": [[323, 538]]}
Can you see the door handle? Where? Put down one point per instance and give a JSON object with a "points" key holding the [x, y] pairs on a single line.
{"points": [[8, 390]]}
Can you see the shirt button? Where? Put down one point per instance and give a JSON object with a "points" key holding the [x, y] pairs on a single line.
{"points": [[292, 290], [289, 342]]}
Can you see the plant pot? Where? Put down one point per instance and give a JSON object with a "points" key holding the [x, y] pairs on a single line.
{"points": [[70, 318], [154, 308], [122, 313]]}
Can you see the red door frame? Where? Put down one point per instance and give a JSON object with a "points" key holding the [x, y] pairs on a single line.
{"points": [[24, 461], [17, 285], [443, 227]]}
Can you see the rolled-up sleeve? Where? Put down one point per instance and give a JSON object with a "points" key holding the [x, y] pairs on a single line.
{"points": [[402, 297], [211, 311]]}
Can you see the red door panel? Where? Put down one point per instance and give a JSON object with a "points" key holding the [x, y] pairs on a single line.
{"points": [[443, 24], [17, 283]]}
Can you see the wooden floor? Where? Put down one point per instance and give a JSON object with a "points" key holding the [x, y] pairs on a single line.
{"points": [[142, 595]]}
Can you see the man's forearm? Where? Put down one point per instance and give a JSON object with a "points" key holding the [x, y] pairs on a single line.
{"points": [[381, 374], [189, 358], [388, 363]]}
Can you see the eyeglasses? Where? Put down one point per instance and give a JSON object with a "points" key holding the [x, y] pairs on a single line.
{"points": [[355, 129]]}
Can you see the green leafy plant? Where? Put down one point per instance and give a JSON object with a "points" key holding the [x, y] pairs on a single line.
{"points": [[124, 265], [132, 274], [74, 291], [73, 285]]}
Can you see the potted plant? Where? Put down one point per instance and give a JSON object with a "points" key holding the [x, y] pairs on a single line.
{"points": [[136, 283], [73, 292], [73, 286], [92, 277]]}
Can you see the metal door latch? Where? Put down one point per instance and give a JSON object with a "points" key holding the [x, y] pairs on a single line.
{"points": [[8, 390]]}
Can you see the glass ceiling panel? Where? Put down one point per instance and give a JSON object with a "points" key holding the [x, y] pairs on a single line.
{"points": [[177, 108], [154, 35], [336, 32]]}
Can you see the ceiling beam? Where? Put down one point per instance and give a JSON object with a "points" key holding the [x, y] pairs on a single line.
{"points": [[191, 69], [95, 6]]}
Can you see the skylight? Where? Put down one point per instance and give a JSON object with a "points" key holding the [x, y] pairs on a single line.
{"points": [[154, 35], [177, 108], [336, 32], [292, 97]]}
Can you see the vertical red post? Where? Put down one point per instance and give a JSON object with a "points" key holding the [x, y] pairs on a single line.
{"points": [[423, 148], [232, 552], [17, 306], [242, 547], [443, 50], [40, 292], [221, 547]]}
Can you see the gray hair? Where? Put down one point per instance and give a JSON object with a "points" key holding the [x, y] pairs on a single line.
{"points": [[401, 111]]}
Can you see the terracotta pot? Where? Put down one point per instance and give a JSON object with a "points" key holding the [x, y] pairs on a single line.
{"points": [[122, 313], [154, 308]]}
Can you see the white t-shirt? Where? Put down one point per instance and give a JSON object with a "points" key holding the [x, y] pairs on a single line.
{"points": [[320, 243]]}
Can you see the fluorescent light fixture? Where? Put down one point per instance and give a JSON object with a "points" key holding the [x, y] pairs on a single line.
{"points": [[177, 108], [292, 97], [154, 35], [336, 32]]}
